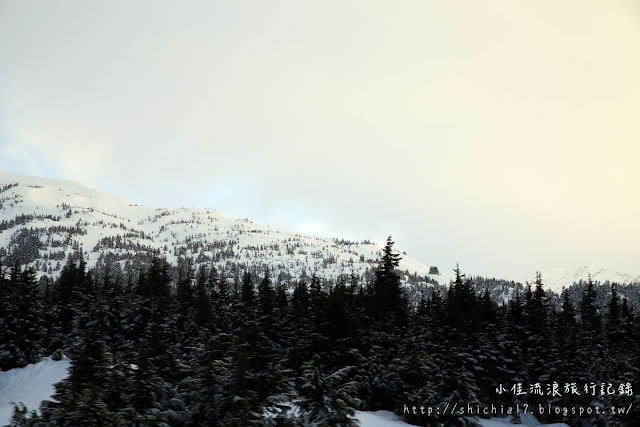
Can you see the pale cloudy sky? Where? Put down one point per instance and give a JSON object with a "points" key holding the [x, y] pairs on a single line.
{"points": [[504, 135]]}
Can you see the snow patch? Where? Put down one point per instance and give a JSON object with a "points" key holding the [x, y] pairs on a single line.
{"points": [[30, 385], [389, 419], [379, 419]]}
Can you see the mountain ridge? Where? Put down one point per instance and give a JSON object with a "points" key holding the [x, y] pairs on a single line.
{"points": [[558, 278], [45, 220], [49, 219]]}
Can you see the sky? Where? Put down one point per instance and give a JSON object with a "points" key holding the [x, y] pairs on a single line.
{"points": [[501, 135]]}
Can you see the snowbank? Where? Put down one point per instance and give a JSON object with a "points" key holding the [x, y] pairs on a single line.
{"points": [[389, 419], [379, 419], [30, 385]]}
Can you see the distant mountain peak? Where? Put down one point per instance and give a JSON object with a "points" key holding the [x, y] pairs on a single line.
{"points": [[562, 277]]}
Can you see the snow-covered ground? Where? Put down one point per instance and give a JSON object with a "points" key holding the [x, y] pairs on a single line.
{"points": [[526, 419], [389, 419], [34, 383], [29, 385], [379, 419]]}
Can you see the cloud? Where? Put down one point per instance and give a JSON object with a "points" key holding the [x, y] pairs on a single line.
{"points": [[502, 135]]}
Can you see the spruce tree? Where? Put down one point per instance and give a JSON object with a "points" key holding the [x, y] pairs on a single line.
{"points": [[204, 297], [80, 397], [388, 303], [247, 295], [258, 385], [537, 344], [266, 303], [22, 327], [327, 400], [456, 385], [20, 417]]}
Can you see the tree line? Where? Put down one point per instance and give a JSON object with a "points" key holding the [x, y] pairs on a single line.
{"points": [[203, 350]]}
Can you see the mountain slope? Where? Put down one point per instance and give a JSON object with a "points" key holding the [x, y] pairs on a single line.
{"points": [[43, 221], [557, 278]]}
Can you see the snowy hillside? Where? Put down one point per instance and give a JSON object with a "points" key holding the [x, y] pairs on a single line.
{"points": [[43, 221], [389, 419], [557, 278]]}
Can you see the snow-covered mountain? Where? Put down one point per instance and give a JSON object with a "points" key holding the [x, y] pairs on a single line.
{"points": [[43, 221], [557, 278]]}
